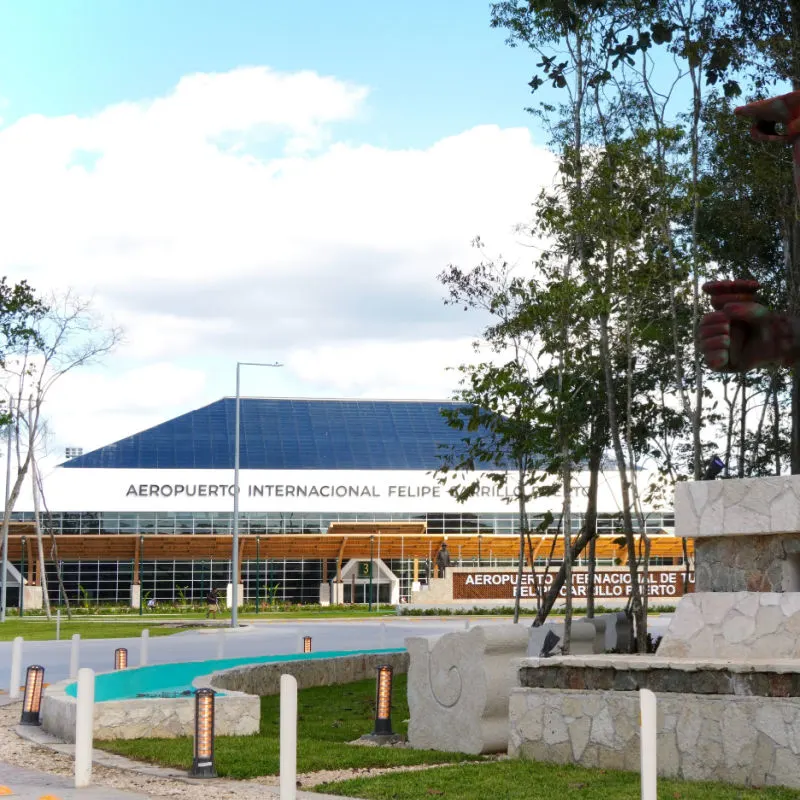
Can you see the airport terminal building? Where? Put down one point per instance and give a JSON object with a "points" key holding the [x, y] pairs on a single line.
{"points": [[307, 468]]}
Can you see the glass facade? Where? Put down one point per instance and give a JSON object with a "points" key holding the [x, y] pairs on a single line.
{"points": [[289, 580], [198, 523]]}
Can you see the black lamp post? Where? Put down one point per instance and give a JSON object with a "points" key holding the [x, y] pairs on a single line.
{"points": [[203, 761], [32, 701], [383, 702]]}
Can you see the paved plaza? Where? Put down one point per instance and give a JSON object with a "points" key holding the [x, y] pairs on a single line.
{"points": [[256, 639]]}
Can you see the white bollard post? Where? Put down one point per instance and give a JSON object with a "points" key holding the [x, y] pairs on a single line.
{"points": [[16, 668], [74, 656], [84, 728], [288, 738], [58, 625], [466, 624], [221, 643], [649, 744], [144, 647]]}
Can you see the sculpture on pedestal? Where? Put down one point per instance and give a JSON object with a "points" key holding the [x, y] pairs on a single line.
{"points": [[741, 334]]}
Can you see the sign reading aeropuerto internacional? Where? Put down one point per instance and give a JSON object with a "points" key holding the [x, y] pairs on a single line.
{"points": [[609, 584]]}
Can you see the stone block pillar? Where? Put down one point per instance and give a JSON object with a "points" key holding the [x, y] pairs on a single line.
{"points": [[337, 598], [33, 597], [324, 594], [747, 570], [459, 685], [239, 595], [136, 595]]}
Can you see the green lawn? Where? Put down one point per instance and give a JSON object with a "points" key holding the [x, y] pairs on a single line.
{"points": [[328, 718], [40, 630], [528, 780]]}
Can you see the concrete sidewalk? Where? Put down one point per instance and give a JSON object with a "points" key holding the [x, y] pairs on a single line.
{"points": [[41, 738], [33, 785]]}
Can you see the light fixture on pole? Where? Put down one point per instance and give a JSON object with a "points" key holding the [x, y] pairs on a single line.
{"points": [[383, 702], [306, 644], [236, 454], [713, 468], [121, 658], [203, 761], [32, 702]]}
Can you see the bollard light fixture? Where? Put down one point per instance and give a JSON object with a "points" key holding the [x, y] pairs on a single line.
{"points": [[32, 702], [121, 658], [383, 702], [306, 644], [203, 761]]}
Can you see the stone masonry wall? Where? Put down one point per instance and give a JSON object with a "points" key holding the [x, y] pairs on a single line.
{"points": [[265, 679], [747, 740], [734, 625], [748, 563]]}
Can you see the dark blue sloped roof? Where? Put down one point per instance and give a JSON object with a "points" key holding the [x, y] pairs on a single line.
{"points": [[289, 434]]}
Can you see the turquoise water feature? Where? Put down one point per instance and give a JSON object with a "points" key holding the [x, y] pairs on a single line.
{"points": [[172, 680]]}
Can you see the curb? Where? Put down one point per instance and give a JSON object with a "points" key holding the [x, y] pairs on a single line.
{"points": [[43, 739]]}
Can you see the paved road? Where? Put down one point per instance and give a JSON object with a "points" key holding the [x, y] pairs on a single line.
{"points": [[260, 639]]}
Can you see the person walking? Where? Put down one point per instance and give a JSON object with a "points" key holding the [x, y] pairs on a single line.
{"points": [[212, 599], [443, 559]]}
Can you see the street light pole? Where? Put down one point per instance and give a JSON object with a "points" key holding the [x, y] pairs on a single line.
{"points": [[236, 454], [4, 576]]}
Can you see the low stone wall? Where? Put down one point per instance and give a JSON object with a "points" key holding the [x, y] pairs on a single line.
{"points": [[735, 625], [458, 688], [236, 714], [265, 679], [237, 711], [748, 740]]}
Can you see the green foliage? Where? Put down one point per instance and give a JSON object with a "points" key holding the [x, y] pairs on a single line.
{"points": [[328, 718], [518, 779]]}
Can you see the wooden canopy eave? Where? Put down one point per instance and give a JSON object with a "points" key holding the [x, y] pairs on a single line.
{"points": [[340, 548]]}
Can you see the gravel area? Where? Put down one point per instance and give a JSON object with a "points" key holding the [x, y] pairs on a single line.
{"points": [[21, 753]]}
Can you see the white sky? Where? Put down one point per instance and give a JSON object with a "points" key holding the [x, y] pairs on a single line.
{"points": [[225, 222]]}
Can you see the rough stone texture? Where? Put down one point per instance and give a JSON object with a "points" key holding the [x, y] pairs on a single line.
{"points": [[769, 563], [736, 625], [584, 639], [265, 679], [774, 678], [747, 740], [749, 506], [458, 688], [236, 714]]}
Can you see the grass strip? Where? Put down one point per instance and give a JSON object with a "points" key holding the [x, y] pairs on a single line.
{"points": [[328, 718], [37, 631], [516, 779]]}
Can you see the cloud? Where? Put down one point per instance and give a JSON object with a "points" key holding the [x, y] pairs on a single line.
{"points": [[230, 215], [97, 406]]}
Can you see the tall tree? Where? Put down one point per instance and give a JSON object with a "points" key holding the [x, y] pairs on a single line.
{"points": [[66, 335]]}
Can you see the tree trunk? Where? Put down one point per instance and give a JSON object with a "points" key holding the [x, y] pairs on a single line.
{"points": [[40, 542], [591, 523], [637, 607], [557, 585], [742, 426], [776, 430], [53, 544], [523, 528]]}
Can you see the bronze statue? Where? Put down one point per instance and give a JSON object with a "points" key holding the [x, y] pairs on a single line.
{"points": [[741, 334]]}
